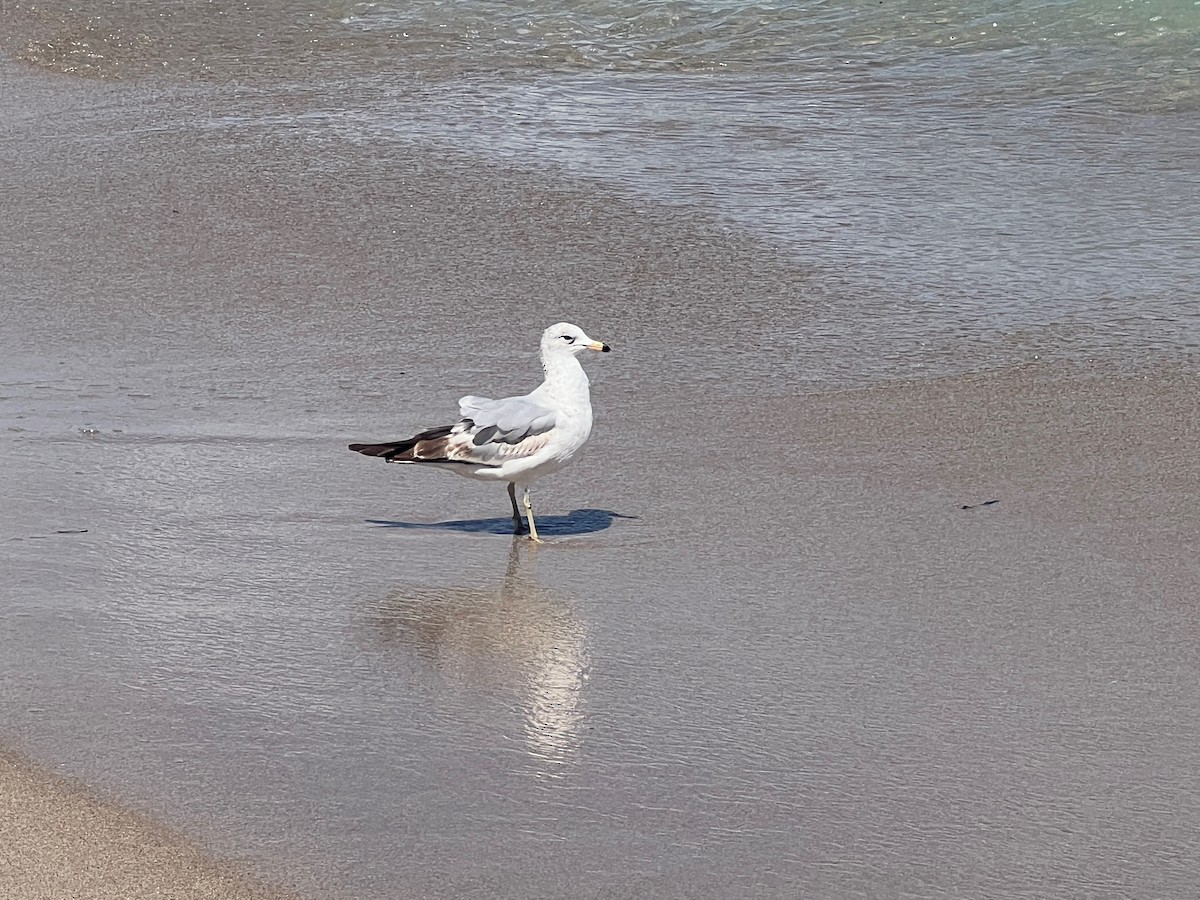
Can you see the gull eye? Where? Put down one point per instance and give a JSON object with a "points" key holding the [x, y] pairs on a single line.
{"points": [[567, 338]]}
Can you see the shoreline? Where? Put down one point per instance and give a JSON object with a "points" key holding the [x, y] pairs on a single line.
{"points": [[59, 839]]}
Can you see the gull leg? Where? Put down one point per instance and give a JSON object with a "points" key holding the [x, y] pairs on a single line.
{"points": [[518, 525], [533, 536]]}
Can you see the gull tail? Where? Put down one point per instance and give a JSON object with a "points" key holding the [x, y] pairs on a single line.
{"points": [[428, 446]]}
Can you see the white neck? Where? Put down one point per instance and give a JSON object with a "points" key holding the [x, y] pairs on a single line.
{"points": [[565, 378]]}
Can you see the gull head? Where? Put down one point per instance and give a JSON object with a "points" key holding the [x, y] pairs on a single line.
{"points": [[567, 338]]}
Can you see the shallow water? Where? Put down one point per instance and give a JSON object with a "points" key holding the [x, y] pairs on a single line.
{"points": [[812, 674]]}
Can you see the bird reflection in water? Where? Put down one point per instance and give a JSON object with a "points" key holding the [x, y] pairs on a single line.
{"points": [[520, 638]]}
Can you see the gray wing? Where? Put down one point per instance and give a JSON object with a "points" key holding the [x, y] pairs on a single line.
{"points": [[507, 421]]}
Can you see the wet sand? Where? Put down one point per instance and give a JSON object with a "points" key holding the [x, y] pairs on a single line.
{"points": [[781, 644], [58, 840]]}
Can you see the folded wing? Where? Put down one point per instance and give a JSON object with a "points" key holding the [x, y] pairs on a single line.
{"points": [[507, 421], [500, 430], [491, 433]]}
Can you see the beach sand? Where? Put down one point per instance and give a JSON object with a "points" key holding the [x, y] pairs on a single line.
{"points": [[928, 638]]}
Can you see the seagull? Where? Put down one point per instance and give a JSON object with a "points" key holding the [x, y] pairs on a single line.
{"points": [[515, 439]]}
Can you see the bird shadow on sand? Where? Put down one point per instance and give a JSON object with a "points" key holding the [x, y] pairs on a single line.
{"points": [[577, 521]]}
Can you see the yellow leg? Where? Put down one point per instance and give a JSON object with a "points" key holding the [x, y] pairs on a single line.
{"points": [[533, 535]]}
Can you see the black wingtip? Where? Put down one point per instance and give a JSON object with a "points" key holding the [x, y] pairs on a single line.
{"points": [[384, 450]]}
